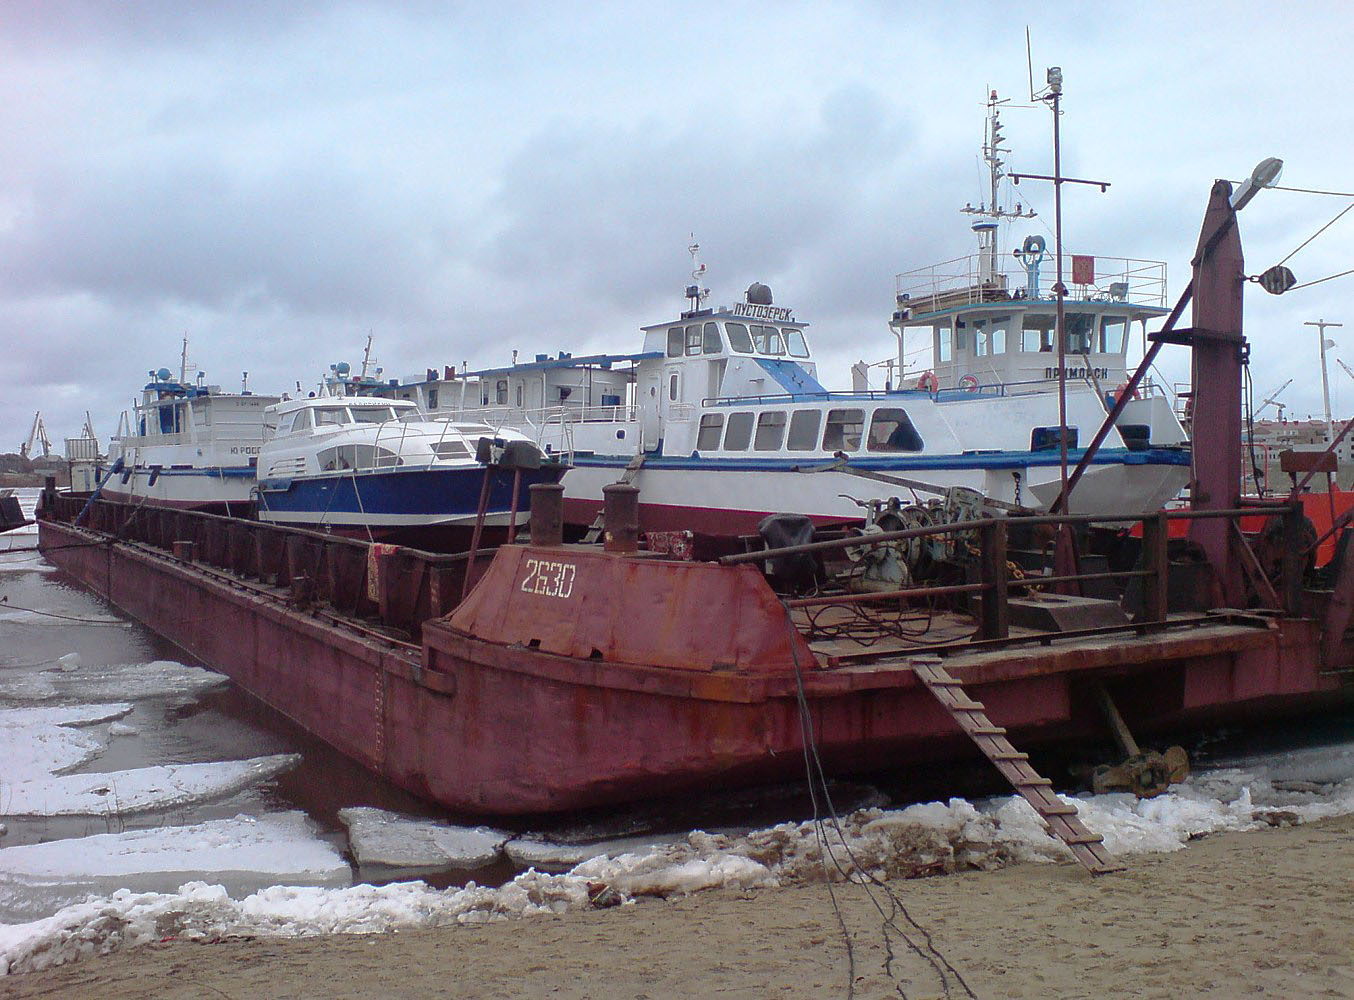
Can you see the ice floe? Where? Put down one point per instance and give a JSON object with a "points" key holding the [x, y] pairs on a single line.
{"points": [[378, 837], [38, 742], [146, 789], [155, 679]]}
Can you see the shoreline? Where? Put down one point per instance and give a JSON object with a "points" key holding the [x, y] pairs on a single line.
{"points": [[1261, 913]]}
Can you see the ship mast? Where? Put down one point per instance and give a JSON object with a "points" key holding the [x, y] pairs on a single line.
{"points": [[992, 211]]}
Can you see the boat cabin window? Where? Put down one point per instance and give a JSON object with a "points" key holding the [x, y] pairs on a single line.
{"points": [[676, 341], [944, 346], [770, 430], [450, 449], [432, 399], [712, 425], [739, 432], [804, 430], [357, 456], [519, 395], [739, 338], [989, 335], [372, 414], [501, 392], [325, 415], [891, 430], [1112, 334], [711, 341], [1080, 329], [844, 430], [767, 339], [794, 341], [694, 339], [301, 420], [960, 336], [1036, 332], [673, 383], [1047, 438]]}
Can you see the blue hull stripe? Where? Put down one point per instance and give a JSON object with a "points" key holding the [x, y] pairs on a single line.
{"points": [[435, 494], [899, 463]]}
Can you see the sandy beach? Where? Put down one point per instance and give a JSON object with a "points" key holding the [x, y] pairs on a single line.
{"points": [[1265, 914]]}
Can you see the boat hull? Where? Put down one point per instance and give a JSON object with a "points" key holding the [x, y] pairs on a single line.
{"points": [[496, 727]]}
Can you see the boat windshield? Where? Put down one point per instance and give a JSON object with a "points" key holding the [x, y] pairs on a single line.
{"points": [[331, 415], [372, 414]]}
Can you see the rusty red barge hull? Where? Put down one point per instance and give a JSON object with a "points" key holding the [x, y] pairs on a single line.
{"points": [[572, 677]]}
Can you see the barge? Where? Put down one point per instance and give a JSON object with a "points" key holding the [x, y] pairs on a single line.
{"points": [[573, 676]]}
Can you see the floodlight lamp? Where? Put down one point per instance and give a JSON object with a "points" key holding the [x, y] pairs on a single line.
{"points": [[1055, 79]]}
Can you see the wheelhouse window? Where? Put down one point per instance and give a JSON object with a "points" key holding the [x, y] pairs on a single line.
{"points": [[501, 392], [331, 415], [739, 338], [694, 338], [767, 339], [891, 430], [301, 421], [372, 414], [432, 399], [770, 431], [944, 343], [711, 341], [712, 426], [1036, 333], [844, 430], [1080, 329], [676, 341], [738, 435], [804, 426], [795, 343], [1113, 331]]}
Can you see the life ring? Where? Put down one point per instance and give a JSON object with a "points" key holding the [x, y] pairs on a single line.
{"points": [[1119, 391], [929, 382], [969, 383]]}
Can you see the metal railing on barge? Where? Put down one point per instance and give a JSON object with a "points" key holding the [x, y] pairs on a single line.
{"points": [[385, 591], [988, 543]]}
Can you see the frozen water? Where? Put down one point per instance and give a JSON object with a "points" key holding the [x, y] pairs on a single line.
{"points": [[158, 678], [145, 789], [38, 742], [37, 879], [378, 837], [541, 852]]}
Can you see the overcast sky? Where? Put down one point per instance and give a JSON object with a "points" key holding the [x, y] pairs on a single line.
{"points": [[459, 180]]}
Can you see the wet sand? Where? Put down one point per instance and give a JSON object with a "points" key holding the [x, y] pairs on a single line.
{"points": [[1264, 914]]}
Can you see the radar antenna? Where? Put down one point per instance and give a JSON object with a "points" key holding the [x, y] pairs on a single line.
{"points": [[994, 153], [695, 292]]}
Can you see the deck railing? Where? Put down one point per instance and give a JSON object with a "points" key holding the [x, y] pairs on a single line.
{"points": [[387, 591], [989, 542]]}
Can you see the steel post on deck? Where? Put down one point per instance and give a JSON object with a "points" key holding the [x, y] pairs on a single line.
{"points": [[1219, 353], [1156, 561], [996, 615]]}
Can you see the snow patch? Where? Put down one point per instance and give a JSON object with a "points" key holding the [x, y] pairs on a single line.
{"points": [[158, 678]]}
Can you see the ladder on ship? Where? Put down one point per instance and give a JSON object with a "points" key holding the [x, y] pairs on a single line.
{"points": [[1060, 817], [632, 468]]}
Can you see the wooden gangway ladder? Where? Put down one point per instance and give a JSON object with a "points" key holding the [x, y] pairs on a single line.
{"points": [[1060, 817], [632, 468]]}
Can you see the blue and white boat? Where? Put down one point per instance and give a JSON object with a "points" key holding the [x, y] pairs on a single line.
{"points": [[378, 469], [188, 444]]}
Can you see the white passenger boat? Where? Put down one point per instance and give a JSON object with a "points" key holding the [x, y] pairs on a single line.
{"points": [[721, 418], [376, 468], [187, 444]]}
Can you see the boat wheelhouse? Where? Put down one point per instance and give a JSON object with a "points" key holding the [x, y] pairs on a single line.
{"points": [[188, 444]]}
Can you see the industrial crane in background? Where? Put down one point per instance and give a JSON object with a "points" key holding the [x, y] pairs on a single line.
{"points": [[1273, 398], [38, 435]]}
